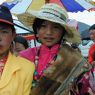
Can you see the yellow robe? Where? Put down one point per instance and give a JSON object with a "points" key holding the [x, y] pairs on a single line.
{"points": [[17, 76]]}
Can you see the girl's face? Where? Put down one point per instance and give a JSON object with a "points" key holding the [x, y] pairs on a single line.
{"points": [[50, 33], [92, 34], [6, 38]]}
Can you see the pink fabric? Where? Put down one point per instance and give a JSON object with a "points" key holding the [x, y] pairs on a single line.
{"points": [[45, 56]]}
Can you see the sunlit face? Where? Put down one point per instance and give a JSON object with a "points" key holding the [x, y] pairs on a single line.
{"points": [[92, 34], [6, 38], [50, 33]]}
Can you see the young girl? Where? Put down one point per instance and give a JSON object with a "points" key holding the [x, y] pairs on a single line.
{"points": [[51, 29], [16, 73]]}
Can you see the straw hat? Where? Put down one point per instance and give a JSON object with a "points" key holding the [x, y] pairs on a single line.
{"points": [[54, 13]]}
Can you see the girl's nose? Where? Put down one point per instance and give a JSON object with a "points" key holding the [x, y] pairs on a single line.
{"points": [[49, 30]]}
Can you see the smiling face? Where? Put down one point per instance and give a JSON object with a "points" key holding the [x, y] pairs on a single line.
{"points": [[50, 33], [6, 38]]}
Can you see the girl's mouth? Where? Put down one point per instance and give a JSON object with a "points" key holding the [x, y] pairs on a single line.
{"points": [[48, 38]]}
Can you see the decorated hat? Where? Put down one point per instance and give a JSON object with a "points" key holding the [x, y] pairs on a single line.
{"points": [[54, 13]]}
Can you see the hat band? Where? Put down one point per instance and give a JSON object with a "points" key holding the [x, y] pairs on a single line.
{"points": [[55, 15]]}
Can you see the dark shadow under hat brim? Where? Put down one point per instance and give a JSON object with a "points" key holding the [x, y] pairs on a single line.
{"points": [[5, 21]]}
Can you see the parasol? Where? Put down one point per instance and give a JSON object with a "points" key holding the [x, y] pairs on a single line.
{"points": [[75, 5], [82, 28], [20, 6]]}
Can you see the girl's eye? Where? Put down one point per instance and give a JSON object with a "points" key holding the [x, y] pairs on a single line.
{"points": [[56, 26], [5, 32]]}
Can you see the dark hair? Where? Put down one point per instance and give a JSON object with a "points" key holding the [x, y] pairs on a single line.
{"points": [[37, 25], [21, 40], [13, 28], [92, 27], [7, 25]]}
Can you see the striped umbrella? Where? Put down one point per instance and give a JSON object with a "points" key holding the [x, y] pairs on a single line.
{"points": [[75, 5], [20, 6]]}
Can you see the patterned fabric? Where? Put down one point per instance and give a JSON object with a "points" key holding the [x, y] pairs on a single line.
{"points": [[2, 64], [84, 84]]}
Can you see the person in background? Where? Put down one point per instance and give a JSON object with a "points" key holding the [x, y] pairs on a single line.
{"points": [[50, 27], [85, 82], [20, 43], [16, 73], [92, 48]]}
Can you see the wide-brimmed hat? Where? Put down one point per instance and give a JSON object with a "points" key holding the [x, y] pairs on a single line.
{"points": [[54, 13], [5, 15]]}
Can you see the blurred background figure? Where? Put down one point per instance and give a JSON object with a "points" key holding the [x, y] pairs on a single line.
{"points": [[20, 43], [92, 48]]}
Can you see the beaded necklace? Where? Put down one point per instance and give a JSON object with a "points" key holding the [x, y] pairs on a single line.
{"points": [[36, 75]]}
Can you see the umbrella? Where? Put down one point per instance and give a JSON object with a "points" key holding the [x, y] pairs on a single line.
{"points": [[70, 5], [84, 30], [20, 28], [75, 5], [20, 6]]}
